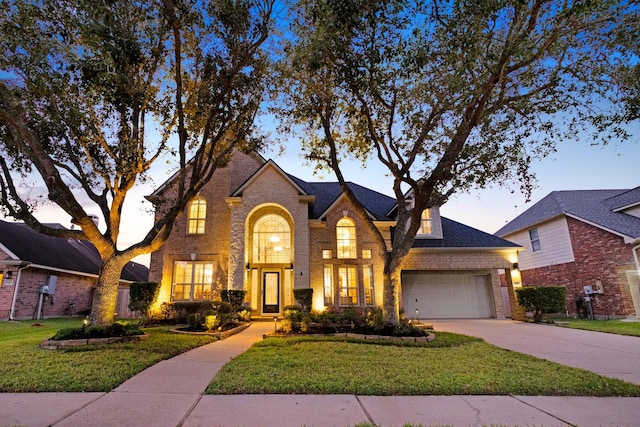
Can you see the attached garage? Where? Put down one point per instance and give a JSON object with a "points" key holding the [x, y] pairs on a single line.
{"points": [[447, 295]]}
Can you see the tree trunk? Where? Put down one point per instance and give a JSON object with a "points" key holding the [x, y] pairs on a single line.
{"points": [[391, 301], [103, 308]]}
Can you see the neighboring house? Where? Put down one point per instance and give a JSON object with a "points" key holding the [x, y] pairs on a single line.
{"points": [[44, 276], [256, 228], [583, 238]]}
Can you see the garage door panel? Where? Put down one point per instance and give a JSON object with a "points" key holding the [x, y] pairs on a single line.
{"points": [[447, 295]]}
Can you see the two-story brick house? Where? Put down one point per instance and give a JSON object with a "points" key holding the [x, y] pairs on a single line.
{"points": [[256, 228], [583, 238]]}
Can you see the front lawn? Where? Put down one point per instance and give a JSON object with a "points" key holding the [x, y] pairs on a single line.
{"points": [[619, 327], [26, 367], [463, 366]]}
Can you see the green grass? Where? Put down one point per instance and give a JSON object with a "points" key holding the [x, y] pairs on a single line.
{"points": [[462, 366], [26, 367], [610, 326]]}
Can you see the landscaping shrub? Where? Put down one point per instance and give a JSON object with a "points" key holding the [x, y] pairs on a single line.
{"points": [[142, 295], [542, 299], [224, 312], [291, 317], [115, 330], [304, 297], [233, 296], [183, 309]]}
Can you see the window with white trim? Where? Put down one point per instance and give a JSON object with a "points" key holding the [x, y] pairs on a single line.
{"points": [[192, 281], [534, 237], [348, 285], [346, 238], [197, 215], [272, 240], [328, 285], [367, 282], [426, 222]]}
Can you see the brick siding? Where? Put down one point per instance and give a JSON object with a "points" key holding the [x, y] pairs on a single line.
{"points": [[599, 255]]}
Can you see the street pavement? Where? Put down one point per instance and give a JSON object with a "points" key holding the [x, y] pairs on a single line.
{"points": [[171, 393]]}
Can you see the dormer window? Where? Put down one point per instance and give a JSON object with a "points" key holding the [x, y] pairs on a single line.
{"points": [[426, 225]]}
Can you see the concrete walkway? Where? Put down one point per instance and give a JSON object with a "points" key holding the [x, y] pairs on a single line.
{"points": [[171, 394]]}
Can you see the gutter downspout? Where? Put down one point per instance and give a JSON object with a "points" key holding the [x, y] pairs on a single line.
{"points": [[635, 257], [23, 265]]}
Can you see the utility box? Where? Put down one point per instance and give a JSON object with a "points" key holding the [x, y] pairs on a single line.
{"points": [[49, 287]]}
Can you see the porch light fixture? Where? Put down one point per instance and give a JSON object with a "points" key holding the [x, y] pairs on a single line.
{"points": [[248, 266], [516, 267]]}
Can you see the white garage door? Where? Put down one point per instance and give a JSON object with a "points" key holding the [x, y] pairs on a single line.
{"points": [[447, 296]]}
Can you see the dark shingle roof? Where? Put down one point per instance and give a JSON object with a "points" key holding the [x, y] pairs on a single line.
{"points": [[593, 206], [455, 234], [56, 252]]}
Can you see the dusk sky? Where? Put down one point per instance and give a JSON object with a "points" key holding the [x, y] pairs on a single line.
{"points": [[575, 166]]}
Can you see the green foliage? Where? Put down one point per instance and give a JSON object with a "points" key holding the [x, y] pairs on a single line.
{"points": [[83, 84], [182, 309], [142, 295], [211, 322], [542, 299], [115, 330], [452, 96], [304, 297], [233, 296]]}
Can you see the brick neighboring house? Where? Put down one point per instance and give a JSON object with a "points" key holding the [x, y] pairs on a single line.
{"points": [[583, 238], [256, 228], [69, 268]]}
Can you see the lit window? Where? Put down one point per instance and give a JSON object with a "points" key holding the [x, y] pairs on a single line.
{"points": [[348, 286], [192, 281], [271, 240], [328, 285], [197, 215], [534, 236], [367, 281], [326, 253], [366, 253], [346, 238], [426, 225]]}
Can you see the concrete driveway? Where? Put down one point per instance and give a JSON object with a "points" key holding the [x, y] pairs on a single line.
{"points": [[610, 355]]}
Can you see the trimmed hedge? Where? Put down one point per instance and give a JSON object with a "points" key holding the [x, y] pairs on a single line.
{"points": [[304, 297], [142, 295], [542, 299]]}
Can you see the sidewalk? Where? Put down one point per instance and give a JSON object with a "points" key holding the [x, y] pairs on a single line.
{"points": [[170, 394]]}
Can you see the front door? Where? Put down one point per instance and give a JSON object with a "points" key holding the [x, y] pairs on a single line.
{"points": [[271, 292]]}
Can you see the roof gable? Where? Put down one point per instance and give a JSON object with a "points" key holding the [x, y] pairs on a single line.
{"points": [[269, 165], [596, 207]]}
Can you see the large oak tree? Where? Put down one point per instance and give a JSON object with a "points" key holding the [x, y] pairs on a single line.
{"points": [[450, 95], [93, 92]]}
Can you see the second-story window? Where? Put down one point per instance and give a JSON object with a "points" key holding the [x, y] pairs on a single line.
{"points": [[346, 238], [197, 215], [534, 237], [426, 224]]}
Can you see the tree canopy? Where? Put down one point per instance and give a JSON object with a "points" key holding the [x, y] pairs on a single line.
{"points": [[452, 95], [93, 92]]}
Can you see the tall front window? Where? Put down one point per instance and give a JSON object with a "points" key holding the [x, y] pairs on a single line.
{"points": [[192, 281], [346, 238], [348, 285], [272, 240], [197, 215], [534, 236], [426, 226], [367, 281], [328, 285]]}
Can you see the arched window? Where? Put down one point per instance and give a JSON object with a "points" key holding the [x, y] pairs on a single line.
{"points": [[346, 238], [272, 240], [197, 215]]}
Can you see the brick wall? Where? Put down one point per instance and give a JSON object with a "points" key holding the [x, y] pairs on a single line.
{"points": [[599, 255]]}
